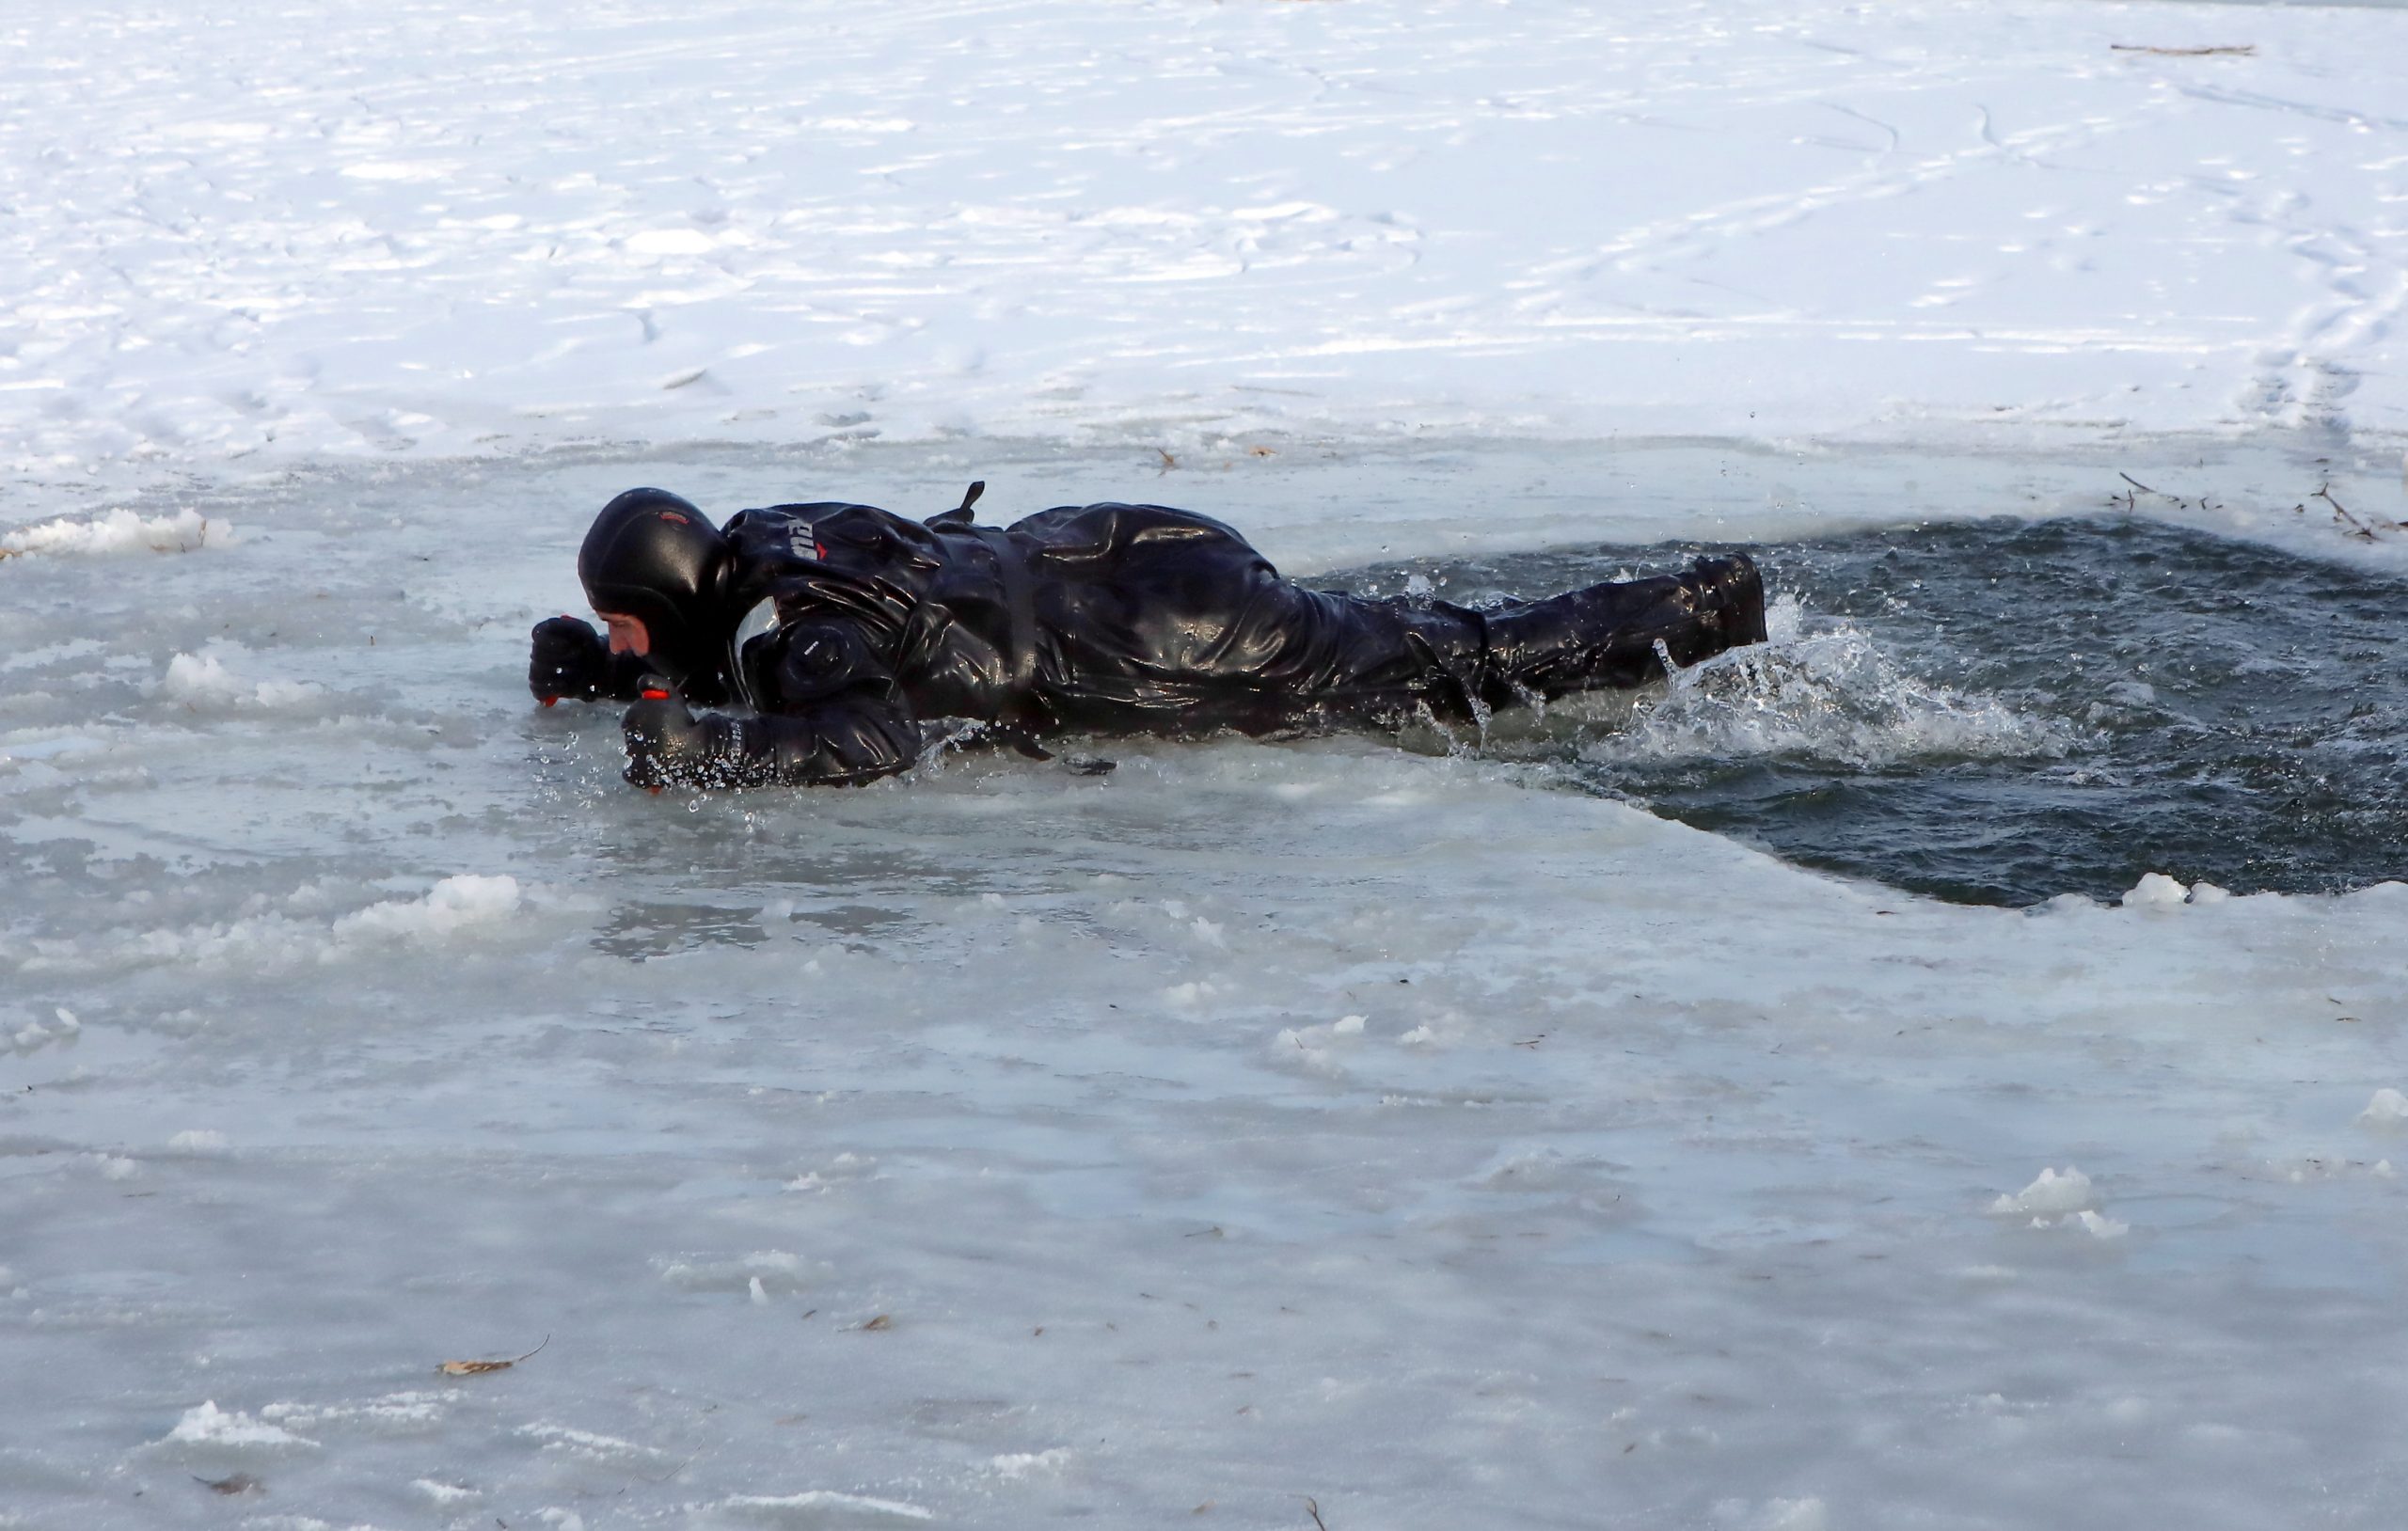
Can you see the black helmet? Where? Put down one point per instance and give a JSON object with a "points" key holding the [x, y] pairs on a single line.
{"points": [[654, 556]]}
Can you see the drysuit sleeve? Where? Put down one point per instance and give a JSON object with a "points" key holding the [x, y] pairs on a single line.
{"points": [[832, 716]]}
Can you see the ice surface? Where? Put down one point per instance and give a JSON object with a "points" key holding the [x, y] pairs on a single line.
{"points": [[1013, 1146], [209, 1426], [2156, 891], [116, 530], [419, 229], [2053, 1191], [2061, 1200], [1260, 1122], [822, 1506], [2099, 1225], [2386, 1111], [202, 679]]}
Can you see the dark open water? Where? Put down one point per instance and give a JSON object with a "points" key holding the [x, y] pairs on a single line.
{"points": [[2001, 712]]}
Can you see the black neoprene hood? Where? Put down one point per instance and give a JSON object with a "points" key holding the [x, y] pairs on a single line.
{"points": [[652, 555]]}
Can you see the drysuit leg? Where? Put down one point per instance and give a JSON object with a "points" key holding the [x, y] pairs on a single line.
{"points": [[1607, 635]]}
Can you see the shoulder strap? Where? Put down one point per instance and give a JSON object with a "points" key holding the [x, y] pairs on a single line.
{"points": [[960, 515]]}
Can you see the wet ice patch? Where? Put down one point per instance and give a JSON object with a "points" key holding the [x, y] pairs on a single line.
{"points": [[396, 1414], [1540, 1171], [1773, 1515], [116, 531], [464, 909], [204, 680], [2386, 1111], [769, 1271], [1014, 1465], [2052, 1193], [48, 745], [2061, 1200], [209, 1425], [445, 1495], [114, 1166], [1318, 1050], [588, 1446], [842, 1170], [2096, 1225], [456, 904], [2156, 891], [821, 1508], [34, 1035]]}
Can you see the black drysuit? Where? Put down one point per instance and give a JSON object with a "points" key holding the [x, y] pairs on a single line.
{"points": [[854, 628]]}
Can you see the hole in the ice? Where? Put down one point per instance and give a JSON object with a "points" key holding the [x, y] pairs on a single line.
{"points": [[2001, 712]]}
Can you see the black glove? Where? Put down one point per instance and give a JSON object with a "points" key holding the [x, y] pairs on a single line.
{"points": [[570, 659], [666, 742]]}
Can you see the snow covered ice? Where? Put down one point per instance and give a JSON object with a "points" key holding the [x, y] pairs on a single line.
{"points": [[1260, 1122], [420, 228]]}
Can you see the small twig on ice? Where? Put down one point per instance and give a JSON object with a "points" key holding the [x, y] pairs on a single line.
{"points": [[2131, 496], [2131, 500], [1312, 1507], [2244, 49], [2325, 493], [672, 1471]]}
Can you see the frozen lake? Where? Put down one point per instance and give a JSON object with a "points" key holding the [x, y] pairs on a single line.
{"points": [[1257, 1123], [1941, 1072]]}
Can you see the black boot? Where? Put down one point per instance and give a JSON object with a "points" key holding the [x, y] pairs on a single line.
{"points": [[1730, 598], [1607, 635]]}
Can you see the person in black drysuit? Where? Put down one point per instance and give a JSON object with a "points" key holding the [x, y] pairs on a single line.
{"points": [[837, 637]]}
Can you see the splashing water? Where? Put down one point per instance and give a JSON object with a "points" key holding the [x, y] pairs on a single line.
{"points": [[1830, 695]]}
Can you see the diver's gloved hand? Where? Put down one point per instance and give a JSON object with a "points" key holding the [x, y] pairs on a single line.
{"points": [[666, 742], [570, 659]]}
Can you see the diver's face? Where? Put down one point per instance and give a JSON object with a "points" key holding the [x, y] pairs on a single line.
{"points": [[628, 635]]}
